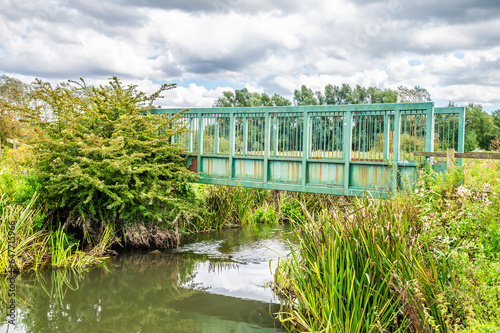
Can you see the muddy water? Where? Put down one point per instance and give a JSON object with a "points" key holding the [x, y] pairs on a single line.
{"points": [[214, 282]]}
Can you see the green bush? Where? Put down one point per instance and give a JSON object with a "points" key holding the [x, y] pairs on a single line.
{"points": [[102, 158]]}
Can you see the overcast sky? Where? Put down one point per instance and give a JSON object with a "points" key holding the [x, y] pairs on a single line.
{"points": [[451, 48]]}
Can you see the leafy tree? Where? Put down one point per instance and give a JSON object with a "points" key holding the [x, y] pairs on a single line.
{"points": [[335, 95], [377, 95], [415, 95], [103, 159], [470, 140], [244, 98], [304, 96], [496, 118], [481, 123], [14, 94], [280, 101]]}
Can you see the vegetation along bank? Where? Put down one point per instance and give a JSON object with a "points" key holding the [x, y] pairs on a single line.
{"points": [[96, 173]]}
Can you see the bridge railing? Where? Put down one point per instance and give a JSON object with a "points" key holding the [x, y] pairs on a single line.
{"points": [[334, 149]]}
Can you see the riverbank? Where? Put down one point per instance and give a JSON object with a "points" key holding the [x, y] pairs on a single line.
{"points": [[427, 260]]}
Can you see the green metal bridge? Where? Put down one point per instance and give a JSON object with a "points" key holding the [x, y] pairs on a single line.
{"points": [[332, 149]]}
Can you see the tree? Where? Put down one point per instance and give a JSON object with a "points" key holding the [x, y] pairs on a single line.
{"points": [[103, 159], [14, 94], [244, 98], [470, 140], [481, 123], [377, 95], [496, 118], [415, 95], [304, 96]]}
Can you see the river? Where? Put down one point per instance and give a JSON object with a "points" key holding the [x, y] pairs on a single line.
{"points": [[213, 282]]}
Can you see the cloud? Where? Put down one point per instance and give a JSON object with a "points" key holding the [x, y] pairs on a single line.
{"points": [[273, 46]]}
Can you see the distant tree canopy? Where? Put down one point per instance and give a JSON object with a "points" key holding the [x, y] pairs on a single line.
{"points": [[244, 98], [331, 95], [14, 95], [415, 95], [480, 127]]}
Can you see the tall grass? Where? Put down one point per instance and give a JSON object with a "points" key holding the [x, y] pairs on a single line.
{"points": [[34, 248], [30, 243], [356, 270]]}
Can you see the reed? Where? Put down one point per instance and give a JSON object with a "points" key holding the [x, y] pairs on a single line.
{"points": [[350, 272], [18, 228]]}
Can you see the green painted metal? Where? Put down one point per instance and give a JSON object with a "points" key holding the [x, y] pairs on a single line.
{"points": [[334, 149]]}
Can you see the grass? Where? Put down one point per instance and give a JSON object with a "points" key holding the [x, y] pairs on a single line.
{"points": [[349, 273], [426, 260]]}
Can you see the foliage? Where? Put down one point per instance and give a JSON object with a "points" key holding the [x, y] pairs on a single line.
{"points": [[244, 98], [14, 94], [103, 159], [495, 144], [27, 242], [332, 95], [304, 96], [415, 95], [470, 140], [444, 230], [350, 271], [459, 217], [482, 123]]}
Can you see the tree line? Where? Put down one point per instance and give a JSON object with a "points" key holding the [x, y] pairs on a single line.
{"points": [[482, 130]]}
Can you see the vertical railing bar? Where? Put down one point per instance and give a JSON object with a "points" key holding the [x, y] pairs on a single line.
{"points": [[370, 142], [324, 137], [267, 143], [396, 147], [200, 143], [305, 144], [415, 135], [454, 131], [231, 143], [461, 133], [386, 143], [347, 147], [429, 142]]}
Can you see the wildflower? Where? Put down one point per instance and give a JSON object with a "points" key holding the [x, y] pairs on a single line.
{"points": [[432, 214]]}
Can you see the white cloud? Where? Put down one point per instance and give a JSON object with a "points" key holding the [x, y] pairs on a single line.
{"points": [[267, 46]]}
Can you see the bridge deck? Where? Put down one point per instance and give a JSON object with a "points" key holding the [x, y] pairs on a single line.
{"points": [[333, 149]]}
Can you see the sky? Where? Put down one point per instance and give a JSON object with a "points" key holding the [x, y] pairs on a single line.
{"points": [[451, 48]]}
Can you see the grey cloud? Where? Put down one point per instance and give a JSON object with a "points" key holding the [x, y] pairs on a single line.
{"points": [[456, 12], [485, 73], [197, 6]]}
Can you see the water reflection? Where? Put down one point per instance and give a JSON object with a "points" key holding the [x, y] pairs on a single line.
{"points": [[213, 283]]}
